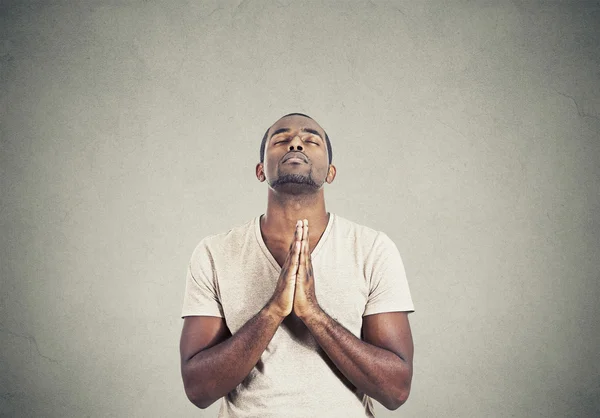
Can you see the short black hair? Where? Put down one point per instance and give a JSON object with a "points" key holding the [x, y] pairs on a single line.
{"points": [[264, 140]]}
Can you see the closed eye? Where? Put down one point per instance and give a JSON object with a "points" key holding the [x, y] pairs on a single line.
{"points": [[312, 139]]}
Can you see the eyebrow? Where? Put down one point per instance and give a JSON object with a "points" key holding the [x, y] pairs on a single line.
{"points": [[309, 130], [279, 131], [312, 131]]}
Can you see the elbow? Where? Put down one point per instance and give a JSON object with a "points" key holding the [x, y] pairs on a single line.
{"points": [[204, 405], [198, 399], [195, 392], [396, 401], [398, 393]]}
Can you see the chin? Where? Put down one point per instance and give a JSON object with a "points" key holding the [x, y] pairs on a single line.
{"points": [[295, 189], [294, 184]]}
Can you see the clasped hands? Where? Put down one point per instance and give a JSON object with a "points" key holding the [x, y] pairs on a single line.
{"points": [[295, 290]]}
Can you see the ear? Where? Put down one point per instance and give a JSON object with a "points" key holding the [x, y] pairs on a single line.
{"points": [[260, 172], [330, 174]]}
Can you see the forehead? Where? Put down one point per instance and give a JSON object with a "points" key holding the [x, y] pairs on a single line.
{"points": [[296, 122]]}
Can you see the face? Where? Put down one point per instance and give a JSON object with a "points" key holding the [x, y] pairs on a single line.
{"points": [[296, 159]]}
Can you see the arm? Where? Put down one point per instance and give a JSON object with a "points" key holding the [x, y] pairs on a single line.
{"points": [[214, 362], [381, 365]]}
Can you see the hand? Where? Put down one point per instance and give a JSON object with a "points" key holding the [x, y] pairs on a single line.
{"points": [[305, 299], [282, 301]]}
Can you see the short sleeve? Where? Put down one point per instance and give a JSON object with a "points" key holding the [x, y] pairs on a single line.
{"points": [[201, 288], [388, 286]]}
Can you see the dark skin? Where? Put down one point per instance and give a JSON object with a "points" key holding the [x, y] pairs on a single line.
{"points": [[214, 362]]}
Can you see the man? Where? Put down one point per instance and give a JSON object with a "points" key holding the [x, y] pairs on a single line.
{"points": [[299, 312]]}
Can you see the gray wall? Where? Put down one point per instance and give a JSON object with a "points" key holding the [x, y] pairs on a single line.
{"points": [[468, 131]]}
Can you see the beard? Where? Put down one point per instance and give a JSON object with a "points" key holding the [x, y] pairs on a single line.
{"points": [[295, 182]]}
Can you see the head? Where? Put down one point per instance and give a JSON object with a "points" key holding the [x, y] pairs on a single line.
{"points": [[295, 155]]}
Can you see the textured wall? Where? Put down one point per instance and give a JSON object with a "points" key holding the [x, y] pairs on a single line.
{"points": [[468, 131]]}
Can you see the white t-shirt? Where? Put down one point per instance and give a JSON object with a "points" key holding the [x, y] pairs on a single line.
{"points": [[358, 271]]}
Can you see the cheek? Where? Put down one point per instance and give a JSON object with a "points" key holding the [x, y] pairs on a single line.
{"points": [[320, 171], [271, 165]]}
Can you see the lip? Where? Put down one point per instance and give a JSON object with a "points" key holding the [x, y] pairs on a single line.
{"points": [[295, 157], [294, 160]]}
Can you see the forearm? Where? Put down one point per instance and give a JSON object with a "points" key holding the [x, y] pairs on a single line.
{"points": [[379, 373], [214, 372]]}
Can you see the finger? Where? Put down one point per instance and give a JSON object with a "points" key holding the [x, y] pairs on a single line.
{"points": [[307, 256], [304, 253], [302, 264], [298, 241], [307, 242], [297, 235], [294, 254], [295, 259], [304, 229]]}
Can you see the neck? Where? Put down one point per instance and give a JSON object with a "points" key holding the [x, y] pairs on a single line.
{"points": [[284, 210]]}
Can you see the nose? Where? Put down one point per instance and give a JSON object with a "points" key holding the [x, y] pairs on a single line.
{"points": [[297, 143]]}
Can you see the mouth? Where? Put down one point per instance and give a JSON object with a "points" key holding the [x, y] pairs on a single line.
{"points": [[295, 157], [295, 160]]}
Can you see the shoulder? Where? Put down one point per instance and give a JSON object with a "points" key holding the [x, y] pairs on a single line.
{"points": [[372, 246], [234, 237], [360, 234]]}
